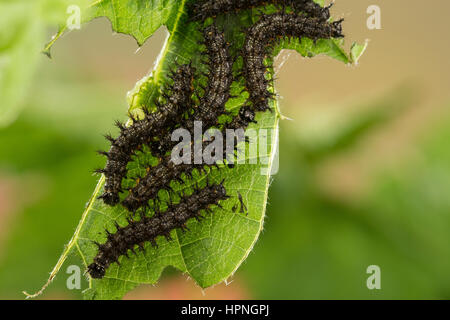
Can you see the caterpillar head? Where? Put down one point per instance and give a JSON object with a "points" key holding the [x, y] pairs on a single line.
{"points": [[96, 270]]}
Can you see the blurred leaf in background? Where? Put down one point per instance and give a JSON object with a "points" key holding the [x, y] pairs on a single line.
{"points": [[22, 35], [313, 246]]}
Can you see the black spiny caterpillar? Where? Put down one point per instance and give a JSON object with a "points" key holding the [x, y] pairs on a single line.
{"points": [[217, 90], [154, 126], [201, 10], [262, 36], [136, 233]]}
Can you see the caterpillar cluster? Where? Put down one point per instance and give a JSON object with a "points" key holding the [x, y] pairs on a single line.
{"points": [[181, 110], [154, 130]]}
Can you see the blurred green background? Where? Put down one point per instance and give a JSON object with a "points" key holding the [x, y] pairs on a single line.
{"points": [[364, 174]]}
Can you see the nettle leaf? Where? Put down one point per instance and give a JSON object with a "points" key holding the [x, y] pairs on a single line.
{"points": [[214, 248]]}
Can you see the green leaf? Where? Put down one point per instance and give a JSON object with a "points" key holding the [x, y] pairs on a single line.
{"points": [[332, 130], [213, 249]]}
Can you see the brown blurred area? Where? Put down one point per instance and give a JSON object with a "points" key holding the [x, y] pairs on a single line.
{"points": [[412, 48]]}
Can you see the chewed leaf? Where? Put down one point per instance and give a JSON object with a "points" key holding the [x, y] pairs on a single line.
{"points": [[212, 250]]}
